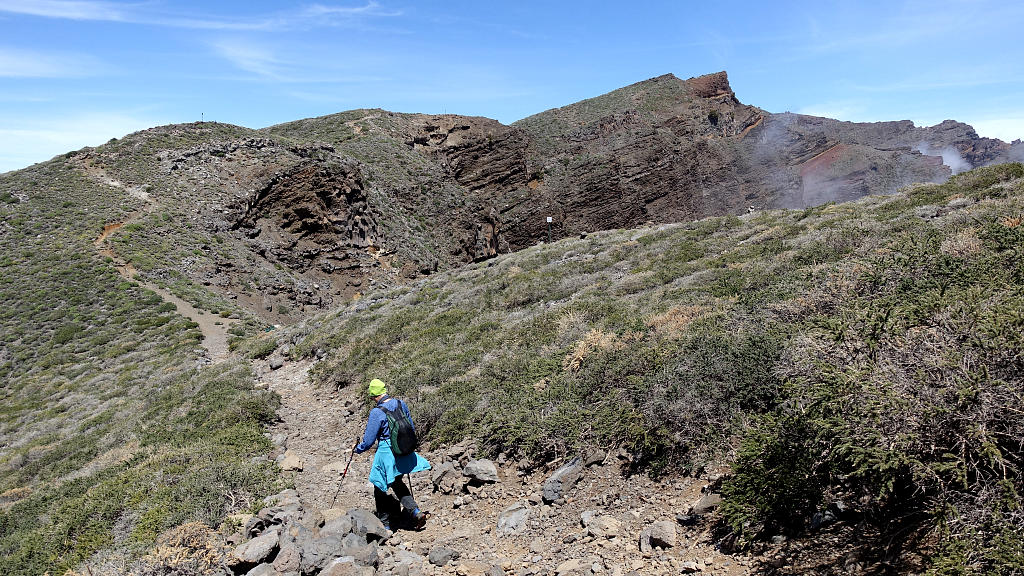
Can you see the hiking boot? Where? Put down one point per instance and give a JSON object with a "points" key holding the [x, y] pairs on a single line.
{"points": [[419, 519]]}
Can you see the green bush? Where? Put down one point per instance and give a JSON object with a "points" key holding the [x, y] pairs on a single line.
{"points": [[910, 408]]}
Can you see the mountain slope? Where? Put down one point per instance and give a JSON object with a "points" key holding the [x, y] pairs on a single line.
{"points": [[868, 355], [112, 428]]}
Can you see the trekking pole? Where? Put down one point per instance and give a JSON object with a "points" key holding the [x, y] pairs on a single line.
{"points": [[343, 474]]}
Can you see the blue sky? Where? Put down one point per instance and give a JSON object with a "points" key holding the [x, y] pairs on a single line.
{"points": [[76, 73]]}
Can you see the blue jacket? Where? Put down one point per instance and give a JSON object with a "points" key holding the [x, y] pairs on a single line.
{"points": [[377, 425], [386, 466]]}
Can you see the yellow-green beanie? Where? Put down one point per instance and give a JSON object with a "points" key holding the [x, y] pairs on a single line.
{"points": [[377, 388]]}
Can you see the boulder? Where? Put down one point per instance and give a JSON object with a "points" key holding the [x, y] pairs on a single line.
{"points": [[288, 497], [291, 461], [276, 362], [603, 527], [262, 570], [706, 504], [365, 554], [280, 440], [402, 557], [445, 478], [461, 450], [663, 534], [365, 524], [594, 457], [822, 519], [512, 520], [281, 508], [559, 483], [289, 559], [686, 519], [481, 471], [257, 550], [318, 552], [314, 552], [339, 526], [660, 534], [255, 526], [570, 567], [442, 555]]}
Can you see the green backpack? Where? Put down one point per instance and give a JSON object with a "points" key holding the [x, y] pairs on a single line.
{"points": [[403, 435]]}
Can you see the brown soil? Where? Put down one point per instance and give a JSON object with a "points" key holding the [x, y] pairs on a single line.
{"points": [[108, 229]]}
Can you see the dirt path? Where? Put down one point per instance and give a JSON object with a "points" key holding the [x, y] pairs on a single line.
{"points": [[213, 328]]}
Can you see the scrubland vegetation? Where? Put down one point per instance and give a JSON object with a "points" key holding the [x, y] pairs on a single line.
{"points": [[112, 431], [863, 357]]}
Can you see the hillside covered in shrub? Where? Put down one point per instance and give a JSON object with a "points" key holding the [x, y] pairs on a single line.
{"points": [[112, 427], [854, 363], [860, 360]]}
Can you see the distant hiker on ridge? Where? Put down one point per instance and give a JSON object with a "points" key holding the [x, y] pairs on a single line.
{"points": [[390, 425]]}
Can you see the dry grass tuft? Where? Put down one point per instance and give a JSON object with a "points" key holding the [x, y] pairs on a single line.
{"points": [[1013, 221], [190, 549], [594, 341], [673, 323], [570, 321], [14, 494], [961, 244]]}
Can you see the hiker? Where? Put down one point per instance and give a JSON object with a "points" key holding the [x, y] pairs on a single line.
{"points": [[388, 469]]}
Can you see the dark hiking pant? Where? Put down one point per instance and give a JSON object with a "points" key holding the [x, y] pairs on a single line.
{"points": [[389, 507]]}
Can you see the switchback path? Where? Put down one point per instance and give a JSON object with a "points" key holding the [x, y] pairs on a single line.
{"points": [[213, 327]]}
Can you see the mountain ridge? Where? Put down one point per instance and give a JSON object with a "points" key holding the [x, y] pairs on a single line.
{"points": [[322, 208]]}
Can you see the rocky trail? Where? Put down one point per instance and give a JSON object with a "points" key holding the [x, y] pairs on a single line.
{"points": [[580, 517]]}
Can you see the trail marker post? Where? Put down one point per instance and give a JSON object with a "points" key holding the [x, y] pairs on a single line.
{"points": [[550, 219]]}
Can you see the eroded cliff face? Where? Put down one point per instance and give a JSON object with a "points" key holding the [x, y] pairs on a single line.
{"points": [[296, 225], [668, 150], [485, 157]]}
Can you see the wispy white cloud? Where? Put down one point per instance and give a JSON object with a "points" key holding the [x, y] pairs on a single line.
{"points": [[18, 63], [316, 15], [369, 9], [25, 141], [251, 58], [849, 110], [66, 9], [289, 65]]}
